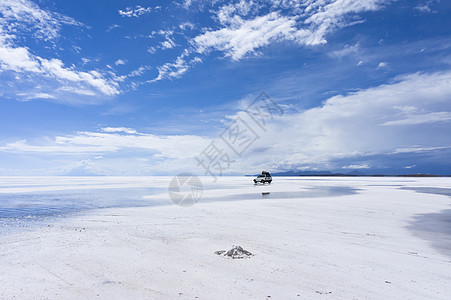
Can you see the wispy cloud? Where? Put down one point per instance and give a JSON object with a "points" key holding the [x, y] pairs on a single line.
{"points": [[326, 16], [177, 68], [187, 3], [350, 125], [426, 6], [135, 12], [347, 50], [442, 116], [119, 129], [359, 166], [120, 62], [31, 96], [186, 25], [244, 28], [168, 44], [112, 27], [419, 149], [112, 140], [382, 65], [245, 37], [21, 16], [20, 60], [94, 79], [344, 127], [24, 15], [243, 33]]}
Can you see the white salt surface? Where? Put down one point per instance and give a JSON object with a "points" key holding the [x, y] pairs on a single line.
{"points": [[377, 242]]}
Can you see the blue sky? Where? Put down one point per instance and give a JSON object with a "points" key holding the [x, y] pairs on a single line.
{"points": [[144, 87]]}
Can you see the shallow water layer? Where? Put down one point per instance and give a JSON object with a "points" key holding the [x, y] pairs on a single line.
{"points": [[313, 192], [433, 227], [44, 204], [430, 190]]}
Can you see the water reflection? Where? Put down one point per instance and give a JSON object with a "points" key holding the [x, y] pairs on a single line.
{"points": [[312, 192], [430, 190], [433, 227], [28, 205]]}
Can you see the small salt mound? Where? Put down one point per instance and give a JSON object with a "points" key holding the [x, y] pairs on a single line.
{"points": [[235, 252]]}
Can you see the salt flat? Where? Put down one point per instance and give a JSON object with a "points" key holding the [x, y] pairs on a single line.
{"points": [[315, 237]]}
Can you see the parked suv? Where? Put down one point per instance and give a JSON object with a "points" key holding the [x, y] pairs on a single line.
{"points": [[263, 178]]}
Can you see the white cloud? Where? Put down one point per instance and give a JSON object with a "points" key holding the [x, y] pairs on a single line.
{"points": [[425, 6], [243, 33], [245, 27], [120, 62], [343, 127], [119, 129], [138, 72], [152, 50], [55, 67], [76, 90], [329, 15], [112, 27], [351, 125], [229, 13], [20, 60], [177, 68], [37, 96], [187, 3], [166, 33], [415, 119], [21, 16], [347, 50], [245, 37], [24, 15], [382, 65], [360, 166], [168, 44], [172, 70], [418, 149], [136, 12], [115, 139], [186, 25], [17, 59]]}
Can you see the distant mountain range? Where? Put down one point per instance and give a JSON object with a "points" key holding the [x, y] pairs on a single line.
{"points": [[318, 173], [352, 173]]}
